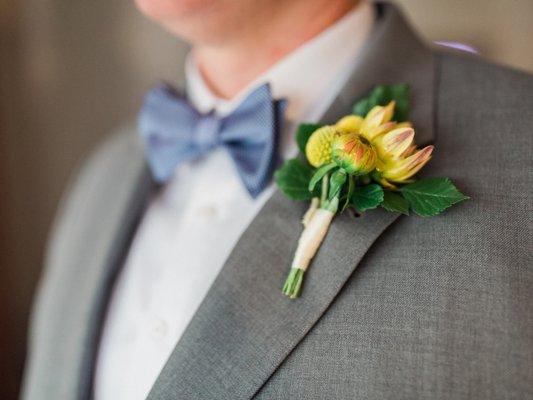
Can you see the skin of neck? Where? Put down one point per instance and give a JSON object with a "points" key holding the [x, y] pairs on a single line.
{"points": [[231, 65]]}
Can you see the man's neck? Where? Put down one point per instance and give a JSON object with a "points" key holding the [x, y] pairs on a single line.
{"points": [[230, 67]]}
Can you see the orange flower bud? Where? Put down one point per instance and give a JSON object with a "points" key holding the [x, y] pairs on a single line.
{"points": [[354, 153]]}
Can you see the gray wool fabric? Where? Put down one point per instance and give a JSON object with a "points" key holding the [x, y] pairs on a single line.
{"points": [[393, 307]]}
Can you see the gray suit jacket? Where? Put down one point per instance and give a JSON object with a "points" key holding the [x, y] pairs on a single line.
{"points": [[393, 307]]}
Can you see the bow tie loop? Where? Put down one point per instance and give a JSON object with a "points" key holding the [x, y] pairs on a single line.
{"points": [[175, 132]]}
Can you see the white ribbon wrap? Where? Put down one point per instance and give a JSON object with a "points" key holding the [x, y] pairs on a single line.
{"points": [[308, 216], [311, 238]]}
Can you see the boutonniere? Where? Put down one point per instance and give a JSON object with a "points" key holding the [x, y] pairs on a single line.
{"points": [[363, 161]]}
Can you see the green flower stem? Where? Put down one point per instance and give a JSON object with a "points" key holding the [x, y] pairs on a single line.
{"points": [[324, 193], [336, 182], [332, 205], [351, 187], [293, 283]]}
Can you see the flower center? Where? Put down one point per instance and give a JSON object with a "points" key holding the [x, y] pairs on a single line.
{"points": [[364, 140]]}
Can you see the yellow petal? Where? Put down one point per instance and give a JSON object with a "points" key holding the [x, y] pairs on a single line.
{"points": [[373, 133], [348, 124], [386, 184], [409, 151], [394, 143], [389, 111], [374, 118], [406, 168]]}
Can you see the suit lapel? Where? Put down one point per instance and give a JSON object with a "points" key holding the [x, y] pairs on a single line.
{"points": [[245, 327]]}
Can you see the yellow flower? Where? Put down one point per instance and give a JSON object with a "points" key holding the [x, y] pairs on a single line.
{"points": [[354, 153], [318, 147], [397, 157], [360, 145]]}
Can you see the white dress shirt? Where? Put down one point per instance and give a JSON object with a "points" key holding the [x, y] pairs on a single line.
{"points": [[193, 223]]}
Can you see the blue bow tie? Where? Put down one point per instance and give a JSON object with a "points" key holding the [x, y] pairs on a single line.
{"points": [[175, 132]]}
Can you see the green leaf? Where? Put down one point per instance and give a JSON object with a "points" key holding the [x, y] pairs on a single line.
{"points": [[381, 96], [319, 174], [362, 107], [395, 203], [428, 197], [367, 197], [293, 179], [303, 132]]}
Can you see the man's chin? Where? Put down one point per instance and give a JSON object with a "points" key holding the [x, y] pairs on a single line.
{"points": [[196, 21], [176, 9]]}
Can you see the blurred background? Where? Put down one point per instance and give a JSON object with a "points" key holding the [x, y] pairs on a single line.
{"points": [[72, 71]]}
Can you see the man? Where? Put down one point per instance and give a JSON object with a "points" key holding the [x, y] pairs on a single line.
{"points": [[172, 290]]}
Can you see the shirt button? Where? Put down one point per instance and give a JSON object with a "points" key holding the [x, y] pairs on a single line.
{"points": [[208, 211], [159, 329]]}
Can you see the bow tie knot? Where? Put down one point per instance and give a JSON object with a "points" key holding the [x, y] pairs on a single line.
{"points": [[174, 132], [207, 133]]}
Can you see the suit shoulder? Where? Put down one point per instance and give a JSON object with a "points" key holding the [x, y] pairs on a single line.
{"points": [[474, 77], [489, 99], [473, 65], [106, 162], [484, 114], [112, 152]]}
